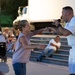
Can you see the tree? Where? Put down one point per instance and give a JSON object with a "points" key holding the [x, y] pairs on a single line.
{"points": [[10, 7]]}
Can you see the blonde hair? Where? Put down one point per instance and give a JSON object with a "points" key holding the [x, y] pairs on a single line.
{"points": [[22, 24]]}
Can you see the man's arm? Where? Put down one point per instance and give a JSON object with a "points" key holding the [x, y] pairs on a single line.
{"points": [[60, 29], [54, 45], [64, 31]]}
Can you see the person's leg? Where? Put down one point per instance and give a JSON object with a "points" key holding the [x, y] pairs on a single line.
{"points": [[19, 68], [50, 52], [39, 58]]}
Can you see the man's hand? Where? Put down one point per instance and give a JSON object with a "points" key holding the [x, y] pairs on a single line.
{"points": [[57, 23], [54, 45], [52, 29]]}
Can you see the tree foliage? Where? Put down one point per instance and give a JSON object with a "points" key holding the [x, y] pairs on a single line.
{"points": [[10, 7]]}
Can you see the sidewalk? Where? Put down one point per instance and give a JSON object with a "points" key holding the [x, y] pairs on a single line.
{"points": [[35, 68]]}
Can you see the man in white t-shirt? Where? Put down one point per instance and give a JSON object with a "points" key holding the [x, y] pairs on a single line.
{"points": [[69, 31], [52, 47]]}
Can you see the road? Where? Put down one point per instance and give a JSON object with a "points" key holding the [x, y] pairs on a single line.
{"points": [[35, 68]]}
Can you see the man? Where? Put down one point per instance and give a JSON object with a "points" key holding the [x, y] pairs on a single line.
{"points": [[52, 47], [69, 31]]}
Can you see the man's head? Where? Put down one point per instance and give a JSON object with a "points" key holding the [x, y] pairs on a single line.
{"points": [[57, 38], [67, 13]]}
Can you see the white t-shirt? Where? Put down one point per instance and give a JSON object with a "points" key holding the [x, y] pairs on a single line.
{"points": [[55, 43], [71, 27]]}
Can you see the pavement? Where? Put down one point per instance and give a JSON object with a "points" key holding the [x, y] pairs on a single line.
{"points": [[35, 68]]}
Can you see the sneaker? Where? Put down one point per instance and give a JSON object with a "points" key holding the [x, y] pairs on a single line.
{"points": [[51, 55], [38, 60]]}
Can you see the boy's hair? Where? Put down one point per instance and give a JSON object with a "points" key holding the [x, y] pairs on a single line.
{"points": [[58, 36]]}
